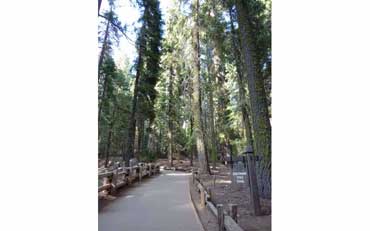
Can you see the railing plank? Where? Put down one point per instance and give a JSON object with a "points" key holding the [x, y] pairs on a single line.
{"points": [[231, 225]]}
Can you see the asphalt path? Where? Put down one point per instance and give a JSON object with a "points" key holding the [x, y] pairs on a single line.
{"points": [[160, 203]]}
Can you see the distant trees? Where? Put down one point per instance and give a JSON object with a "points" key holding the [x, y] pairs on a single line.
{"points": [[113, 85], [226, 78], [172, 111], [114, 107]]}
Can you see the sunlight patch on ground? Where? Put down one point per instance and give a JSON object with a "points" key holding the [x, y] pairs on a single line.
{"points": [[224, 181], [177, 174], [129, 196]]}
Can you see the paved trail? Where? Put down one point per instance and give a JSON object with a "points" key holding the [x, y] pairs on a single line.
{"points": [[161, 203]]}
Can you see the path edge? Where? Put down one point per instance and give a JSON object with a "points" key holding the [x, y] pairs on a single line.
{"points": [[199, 216]]}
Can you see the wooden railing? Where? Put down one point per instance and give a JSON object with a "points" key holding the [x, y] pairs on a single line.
{"points": [[111, 180], [227, 220]]}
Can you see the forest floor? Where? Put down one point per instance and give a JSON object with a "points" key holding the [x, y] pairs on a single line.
{"points": [[224, 192], [178, 165]]}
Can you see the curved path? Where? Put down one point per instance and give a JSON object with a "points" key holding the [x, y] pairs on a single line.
{"points": [[161, 203]]}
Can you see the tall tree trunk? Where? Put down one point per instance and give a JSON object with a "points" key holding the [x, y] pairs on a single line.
{"points": [[140, 138], [213, 137], [105, 86], [196, 105], [159, 142], [204, 115], [242, 95], [259, 111], [100, 77], [170, 117], [146, 139], [218, 71], [109, 140], [192, 147], [128, 153], [103, 49]]}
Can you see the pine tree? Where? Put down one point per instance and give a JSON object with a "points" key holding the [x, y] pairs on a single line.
{"points": [[147, 69]]}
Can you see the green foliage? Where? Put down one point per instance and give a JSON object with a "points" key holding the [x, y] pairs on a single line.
{"points": [[168, 62], [115, 105], [150, 41]]}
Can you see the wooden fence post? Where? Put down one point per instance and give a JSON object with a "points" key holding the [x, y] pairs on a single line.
{"points": [[140, 171], [202, 198], [114, 181], [255, 199], [233, 212], [105, 181], [220, 217]]}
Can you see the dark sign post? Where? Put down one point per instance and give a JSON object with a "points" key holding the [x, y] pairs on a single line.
{"points": [[253, 181]]}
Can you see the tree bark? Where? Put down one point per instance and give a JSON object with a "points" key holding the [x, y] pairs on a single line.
{"points": [[211, 78], [140, 138], [170, 114], [103, 49], [100, 77], [159, 143], [196, 105], [109, 141], [192, 148], [242, 95], [105, 86], [259, 111], [128, 153]]}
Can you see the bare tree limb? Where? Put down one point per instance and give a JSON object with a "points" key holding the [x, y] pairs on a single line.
{"points": [[119, 28]]}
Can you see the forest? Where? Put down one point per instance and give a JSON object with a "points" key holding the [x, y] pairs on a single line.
{"points": [[199, 88]]}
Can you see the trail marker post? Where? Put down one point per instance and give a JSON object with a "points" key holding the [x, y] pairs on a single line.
{"points": [[220, 217], [233, 212]]}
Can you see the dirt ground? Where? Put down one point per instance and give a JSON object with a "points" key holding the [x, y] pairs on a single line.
{"points": [[224, 192]]}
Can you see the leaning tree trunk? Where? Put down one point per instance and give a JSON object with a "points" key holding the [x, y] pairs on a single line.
{"points": [[103, 49], [196, 105], [99, 4], [100, 77]]}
